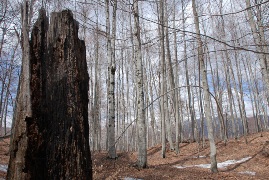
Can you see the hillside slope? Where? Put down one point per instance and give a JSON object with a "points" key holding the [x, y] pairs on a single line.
{"points": [[243, 161]]}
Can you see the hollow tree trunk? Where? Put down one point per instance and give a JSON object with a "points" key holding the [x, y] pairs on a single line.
{"points": [[56, 144]]}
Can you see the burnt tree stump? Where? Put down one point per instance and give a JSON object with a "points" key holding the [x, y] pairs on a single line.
{"points": [[57, 134]]}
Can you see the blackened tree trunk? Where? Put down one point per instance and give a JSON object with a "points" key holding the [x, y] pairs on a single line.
{"points": [[68, 153], [57, 133]]}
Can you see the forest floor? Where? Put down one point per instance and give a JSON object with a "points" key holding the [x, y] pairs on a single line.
{"points": [[243, 161], [4, 156], [236, 160]]}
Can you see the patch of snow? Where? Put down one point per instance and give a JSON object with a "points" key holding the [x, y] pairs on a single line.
{"points": [[3, 168], [199, 157], [182, 167], [207, 166], [248, 172], [230, 162], [220, 165]]}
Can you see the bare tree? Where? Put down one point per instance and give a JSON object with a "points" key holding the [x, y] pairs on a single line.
{"points": [[142, 142], [259, 40], [171, 79], [163, 85], [111, 79], [190, 108], [206, 91]]}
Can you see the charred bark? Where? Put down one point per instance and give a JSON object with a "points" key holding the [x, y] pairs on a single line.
{"points": [[57, 133]]}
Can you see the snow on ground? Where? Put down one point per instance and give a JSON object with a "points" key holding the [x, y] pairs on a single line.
{"points": [[220, 165], [199, 157], [3, 168], [248, 172]]}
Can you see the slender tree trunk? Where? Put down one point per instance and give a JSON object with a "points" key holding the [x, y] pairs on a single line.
{"points": [[142, 141], [128, 113], [95, 108], [187, 75], [228, 67], [229, 89], [123, 104], [177, 91], [163, 85], [217, 92], [152, 117], [206, 92], [240, 97], [112, 69], [171, 79]]}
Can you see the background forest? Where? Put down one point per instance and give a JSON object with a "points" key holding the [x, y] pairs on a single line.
{"points": [[187, 47]]}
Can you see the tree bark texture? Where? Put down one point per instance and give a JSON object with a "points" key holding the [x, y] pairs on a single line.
{"points": [[57, 134], [141, 122], [23, 110], [111, 80]]}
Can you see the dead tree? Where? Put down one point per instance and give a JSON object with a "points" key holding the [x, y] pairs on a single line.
{"points": [[56, 143]]}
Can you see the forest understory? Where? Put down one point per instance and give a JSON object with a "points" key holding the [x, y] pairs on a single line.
{"points": [[243, 161]]}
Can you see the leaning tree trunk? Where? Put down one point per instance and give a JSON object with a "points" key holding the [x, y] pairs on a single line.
{"points": [[57, 134]]}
